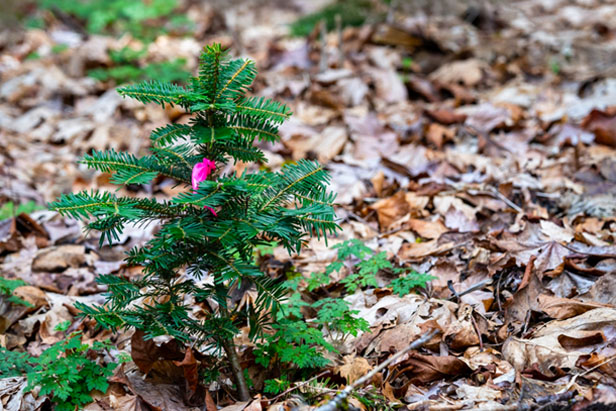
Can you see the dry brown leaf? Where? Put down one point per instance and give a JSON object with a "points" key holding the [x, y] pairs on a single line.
{"points": [[427, 229], [150, 356], [438, 134], [353, 368], [13, 396], [445, 116], [487, 117], [563, 308], [324, 145], [555, 232], [59, 258], [461, 333], [548, 349], [468, 73], [603, 124], [377, 182], [128, 403], [190, 365], [159, 397], [422, 369], [424, 249], [238, 406]]}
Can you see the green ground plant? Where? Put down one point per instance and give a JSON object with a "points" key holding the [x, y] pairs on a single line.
{"points": [[15, 363], [65, 371], [212, 229], [366, 265], [138, 17], [127, 68], [352, 13], [298, 344], [8, 210], [7, 289]]}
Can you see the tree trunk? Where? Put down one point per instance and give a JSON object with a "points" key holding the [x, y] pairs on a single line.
{"points": [[238, 373]]}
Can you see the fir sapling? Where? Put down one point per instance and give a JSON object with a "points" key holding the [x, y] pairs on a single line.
{"points": [[213, 227]]}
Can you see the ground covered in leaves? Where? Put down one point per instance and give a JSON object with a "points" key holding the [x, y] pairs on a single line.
{"points": [[476, 145]]}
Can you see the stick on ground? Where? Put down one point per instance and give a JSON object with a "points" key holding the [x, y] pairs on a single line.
{"points": [[337, 401]]}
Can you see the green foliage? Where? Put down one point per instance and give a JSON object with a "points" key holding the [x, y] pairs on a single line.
{"points": [[299, 343], [555, 66], [351, 12], [118, 16], [58, 48], [253, 210], [373, 400], [276, 385], [408, 281], [63, 371], [33, 56], [7, 287], [8, 210], [294, 343], [127, 69], [367, 264], [14, 363], [334, 313], [66, 373]]}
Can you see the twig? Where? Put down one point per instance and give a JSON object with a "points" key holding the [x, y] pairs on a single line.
{"points": [[476, 327], [498, 293], [469, 290], [552, 400], [391, 12], [522, 392], [338, 400], [340, 41], [493, 192], [323, 41], [298, 386], [570, 384]]}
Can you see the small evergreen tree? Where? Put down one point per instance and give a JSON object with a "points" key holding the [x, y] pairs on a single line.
{"points": [[211, 228]]}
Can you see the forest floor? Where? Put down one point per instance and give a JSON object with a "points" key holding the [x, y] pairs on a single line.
{"points": [[479, 148]]}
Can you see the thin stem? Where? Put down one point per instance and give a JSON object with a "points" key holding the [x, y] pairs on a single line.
{"points": [[238, 373]]}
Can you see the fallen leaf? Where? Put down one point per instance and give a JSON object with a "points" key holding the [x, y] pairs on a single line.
{"points": [[438, 134], [603, 125], [422, 369], [353, 368], [189, 364], [59, 258], [546, 350], [445, 116], [468, 73], [563, 308]]}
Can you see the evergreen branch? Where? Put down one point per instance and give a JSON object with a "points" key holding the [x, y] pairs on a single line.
{"points": [[255, 131], [263, 108], [268, 293], [294, 182], [173, 154], [137, 178], [154, 91], [125, 165], [169, 134], [246, 64]]}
